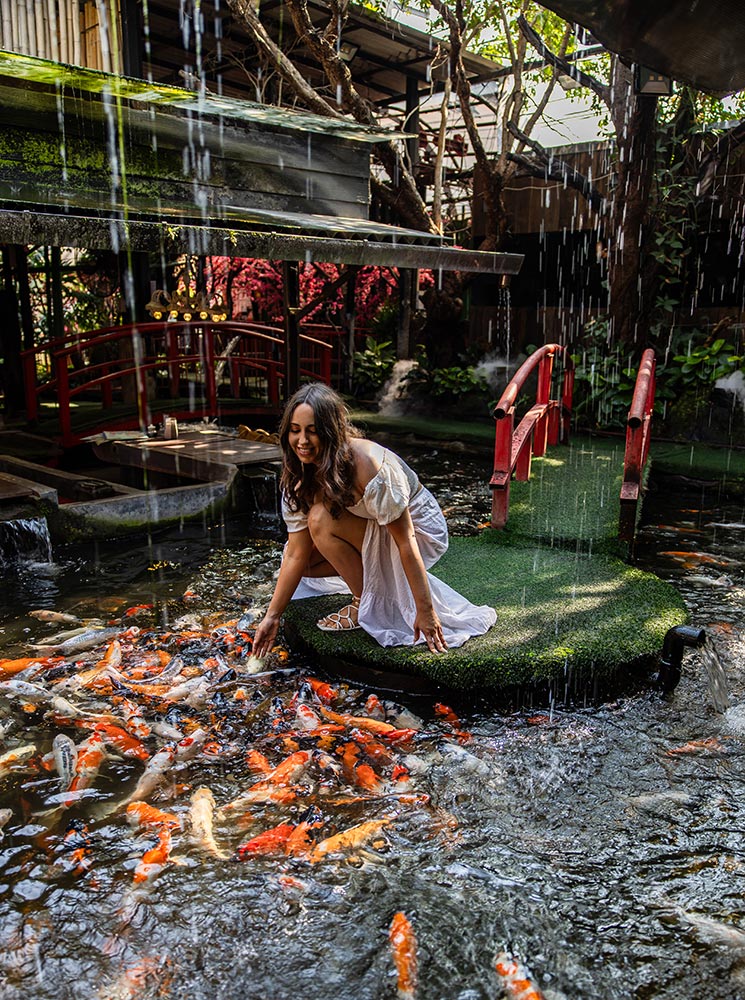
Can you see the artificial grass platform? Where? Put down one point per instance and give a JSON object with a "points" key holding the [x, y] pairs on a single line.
{"points": [[562, 617], [572, 498]]}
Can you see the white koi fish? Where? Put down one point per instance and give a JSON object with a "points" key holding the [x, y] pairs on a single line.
{"points": [[201, 816]]}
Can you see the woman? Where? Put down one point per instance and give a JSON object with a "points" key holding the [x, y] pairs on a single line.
{"points": [[359, 521]]}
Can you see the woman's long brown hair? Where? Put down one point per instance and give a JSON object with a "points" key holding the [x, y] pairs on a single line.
{"points": [[331, 479]]}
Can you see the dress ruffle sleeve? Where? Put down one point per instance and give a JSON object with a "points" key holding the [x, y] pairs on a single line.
{"points": [[388, 493], [294, 519]]}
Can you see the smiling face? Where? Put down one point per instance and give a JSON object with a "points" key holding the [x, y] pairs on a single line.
{"points": [[302, 437]]}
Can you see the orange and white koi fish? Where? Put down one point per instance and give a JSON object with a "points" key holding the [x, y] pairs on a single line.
{"points": [[306, 718], [696, 746], [201, 815], [272, 841], [154, 860], [403, 949], [91, 755], [142, 814], [18, 755], [5, 816], [323, 691], [348, 839], [448, 715], [257, 762], [372, 725], [76, 846], [43, 615], [515, 979]]}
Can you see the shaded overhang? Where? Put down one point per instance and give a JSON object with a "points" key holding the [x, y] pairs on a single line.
{"points": [[699, 42], [98, 161]]}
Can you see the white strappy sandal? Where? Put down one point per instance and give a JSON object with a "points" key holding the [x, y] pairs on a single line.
{"points": [[344, 620]]}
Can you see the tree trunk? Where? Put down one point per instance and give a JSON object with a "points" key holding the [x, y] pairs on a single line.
{"points": [[634, 118]]}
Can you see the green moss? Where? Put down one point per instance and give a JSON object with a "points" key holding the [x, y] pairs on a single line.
{"points": [[559, 614]]}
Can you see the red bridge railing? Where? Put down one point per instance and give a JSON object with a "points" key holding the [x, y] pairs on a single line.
{"points": [[199, 364], [638, 432], [546, 422]]}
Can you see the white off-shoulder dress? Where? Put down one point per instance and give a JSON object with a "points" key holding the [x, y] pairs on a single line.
{"points": [[387, 610]]}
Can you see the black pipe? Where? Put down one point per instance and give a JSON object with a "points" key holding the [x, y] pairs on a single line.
{"points": [[676, 639]]}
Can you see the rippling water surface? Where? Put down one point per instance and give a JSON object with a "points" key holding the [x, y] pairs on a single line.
{"points": [[603, 845]]}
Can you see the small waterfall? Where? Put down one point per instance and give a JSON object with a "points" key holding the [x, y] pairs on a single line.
{"points": [[391, 403], [24, 540], [717, 679]]}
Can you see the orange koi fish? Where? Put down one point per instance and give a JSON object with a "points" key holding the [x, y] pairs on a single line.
{"points": [[272, 841], [125, 742], [372, 725], [364, 776], [299, 842], [154, 860], [323, 691], [91, 755], [515, 979], [76, 845], [694, 746], [403, 949], [348, 839], [448, 715], [257, 762], [142, 814]]}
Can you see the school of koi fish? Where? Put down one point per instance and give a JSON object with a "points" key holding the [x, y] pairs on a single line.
{"points": [[129, 717]]}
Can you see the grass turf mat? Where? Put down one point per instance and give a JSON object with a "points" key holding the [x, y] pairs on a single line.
{"points": [[572, 497], [559, 613]]}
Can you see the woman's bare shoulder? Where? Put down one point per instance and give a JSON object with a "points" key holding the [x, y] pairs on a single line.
{"points": [[367, 458]]}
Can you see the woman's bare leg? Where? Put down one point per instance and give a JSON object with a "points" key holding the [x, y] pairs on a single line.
{"points": [[339, 542]]}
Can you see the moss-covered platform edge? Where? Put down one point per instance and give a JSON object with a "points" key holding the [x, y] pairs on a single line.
{"points": [[562, 618]]}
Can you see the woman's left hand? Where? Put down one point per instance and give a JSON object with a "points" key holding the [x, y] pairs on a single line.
{"points": [[428, 624]]}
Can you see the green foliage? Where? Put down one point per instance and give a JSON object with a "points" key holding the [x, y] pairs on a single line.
{"points": [[446, 386], [699, 367], [604, 379], [372, 367]]}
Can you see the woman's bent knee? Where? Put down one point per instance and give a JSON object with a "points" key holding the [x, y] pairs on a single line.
{"points": [[319, 520]]}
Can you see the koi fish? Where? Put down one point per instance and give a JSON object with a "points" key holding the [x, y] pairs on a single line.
{"points": [[694, 746], [372, 725], [299, 841], [257, 762], [59, 617], [353, 837], [323, 691], [65, 755], [91, 755], [76, 845], [274, 786], [515, 979], [142, 814], [12, 758], [153, 775], [200, 818], [448, 715], [154, 860], [306, 718], [272, 841], [89, 639], [9, 668], [403, 949], [5, 816]]}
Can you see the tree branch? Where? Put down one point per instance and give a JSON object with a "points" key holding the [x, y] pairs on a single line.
{"points": [[550, 168], [563, 65]]}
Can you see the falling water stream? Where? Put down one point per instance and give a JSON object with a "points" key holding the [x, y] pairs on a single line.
{"points": [[603, 844]]}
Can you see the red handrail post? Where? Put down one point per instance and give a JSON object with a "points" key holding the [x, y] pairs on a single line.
{"points": [[542, 397], [210, 384], [500, 480], [638, 432], [63, 397]]}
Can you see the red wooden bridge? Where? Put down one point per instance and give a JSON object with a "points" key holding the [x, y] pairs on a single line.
{"points": [[191, 370]]}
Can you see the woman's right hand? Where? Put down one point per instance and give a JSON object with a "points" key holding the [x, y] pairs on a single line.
{"points": [[266, 633]]}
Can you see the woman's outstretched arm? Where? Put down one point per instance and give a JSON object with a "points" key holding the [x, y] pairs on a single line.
{"points": [[426, 622], [294, 563]]}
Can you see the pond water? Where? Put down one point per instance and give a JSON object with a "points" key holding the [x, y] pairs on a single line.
{"points": [[602, 845]]}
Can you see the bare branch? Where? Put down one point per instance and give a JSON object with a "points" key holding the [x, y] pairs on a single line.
{"points": [[557, 170], [563, 65]]}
